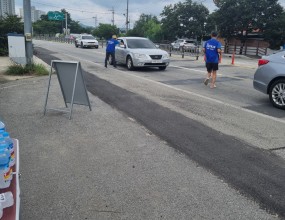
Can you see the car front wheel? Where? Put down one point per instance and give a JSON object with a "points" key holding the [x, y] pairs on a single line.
{"points": [[277, 94], [130, 65]]}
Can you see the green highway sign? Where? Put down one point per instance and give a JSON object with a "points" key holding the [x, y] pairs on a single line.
{"points": [[55, 15]]}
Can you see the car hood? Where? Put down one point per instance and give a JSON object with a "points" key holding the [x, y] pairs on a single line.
{"points": [[148, 51]]}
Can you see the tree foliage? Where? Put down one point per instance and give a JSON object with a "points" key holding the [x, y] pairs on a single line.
{"points": [[275, 33], [105, 31], [9, 24], [147, 26], [239, 17], [46, 26], [184, 19]]}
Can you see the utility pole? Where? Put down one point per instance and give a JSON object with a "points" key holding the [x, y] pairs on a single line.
{"points": [[28, 30], [113, 16], [127, 17], [95, 20], [66, 24]]}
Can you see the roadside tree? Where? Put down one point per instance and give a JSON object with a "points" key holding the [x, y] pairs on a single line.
{"points": [[240, 17], [105, 31], [9, 24], [184, 19]]}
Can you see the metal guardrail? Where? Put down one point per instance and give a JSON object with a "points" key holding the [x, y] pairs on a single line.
{"points": [[246, 50], [64, 40], [183, 51]]}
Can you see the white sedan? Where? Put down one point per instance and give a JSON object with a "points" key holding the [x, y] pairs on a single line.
{"points": [[86, 40]]}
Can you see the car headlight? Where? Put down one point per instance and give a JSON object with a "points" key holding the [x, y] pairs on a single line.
{"points": [[140, 56], [165, 56]]}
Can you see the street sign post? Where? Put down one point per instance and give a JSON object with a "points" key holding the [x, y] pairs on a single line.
{"points": [[55, 16]]}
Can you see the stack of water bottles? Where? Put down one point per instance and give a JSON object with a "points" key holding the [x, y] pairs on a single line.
{"points": [[7, 162]]}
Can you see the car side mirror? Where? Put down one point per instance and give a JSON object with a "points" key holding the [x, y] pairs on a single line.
{"points": [[157, 45]]}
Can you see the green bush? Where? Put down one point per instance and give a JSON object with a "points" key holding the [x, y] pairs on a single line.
{"points": [[29, 69]]}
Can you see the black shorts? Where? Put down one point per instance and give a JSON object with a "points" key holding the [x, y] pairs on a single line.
{"points": [[212, 67]]}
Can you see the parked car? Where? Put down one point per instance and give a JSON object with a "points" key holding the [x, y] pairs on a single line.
{"points": [[140, 52], [269, 78], [188, 44], [86, 40]]}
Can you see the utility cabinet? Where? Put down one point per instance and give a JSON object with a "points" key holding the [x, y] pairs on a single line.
{"points": [[17, 49]]}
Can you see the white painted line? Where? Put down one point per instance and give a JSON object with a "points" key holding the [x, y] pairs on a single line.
{"points": [[192, 93], [195, 70]]}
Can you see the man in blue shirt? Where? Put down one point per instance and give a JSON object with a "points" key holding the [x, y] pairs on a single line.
{"points": [[110, 50], [212, 50]]}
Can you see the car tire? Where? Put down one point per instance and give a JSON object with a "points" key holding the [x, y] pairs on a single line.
{"points": [[96, 47], [277, 94], [162, 67], [75, 44], [130, 64]]}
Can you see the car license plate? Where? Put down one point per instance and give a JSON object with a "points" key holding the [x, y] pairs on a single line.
{"points": [[156, 61]]}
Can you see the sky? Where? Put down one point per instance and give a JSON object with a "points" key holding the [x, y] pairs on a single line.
{"points": [[85, 11]]}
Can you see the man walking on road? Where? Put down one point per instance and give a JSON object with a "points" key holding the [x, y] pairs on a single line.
{"points": [[212, 51], [110, 50]]}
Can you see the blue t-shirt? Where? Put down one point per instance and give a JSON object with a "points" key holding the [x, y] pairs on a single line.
{"points": [[111, 45], [211, 50]]}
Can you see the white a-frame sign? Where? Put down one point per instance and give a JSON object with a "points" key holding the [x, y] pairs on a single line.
{"points": [[71, 81]]}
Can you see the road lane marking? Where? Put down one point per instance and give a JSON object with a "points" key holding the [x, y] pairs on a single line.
{"points": [[191, 93]]}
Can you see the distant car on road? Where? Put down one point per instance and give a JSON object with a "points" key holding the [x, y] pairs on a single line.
{"points": [[269, 78], [86, 40], [187, 44], [140, 52]]}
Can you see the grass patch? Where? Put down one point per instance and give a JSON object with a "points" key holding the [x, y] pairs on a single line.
{"points": [[26, 70]]}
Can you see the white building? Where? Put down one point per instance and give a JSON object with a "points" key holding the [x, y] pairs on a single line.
{"points": [[35, 14], [7, 7]]}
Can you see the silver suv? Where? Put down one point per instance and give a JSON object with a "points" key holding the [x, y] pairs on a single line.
{"points": [[187, 44]]}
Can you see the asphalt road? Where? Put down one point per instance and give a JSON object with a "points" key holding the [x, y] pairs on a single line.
{"points": [[232, 131]]}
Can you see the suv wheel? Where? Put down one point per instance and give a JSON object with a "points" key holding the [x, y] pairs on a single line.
{"points": [[277, 94]]}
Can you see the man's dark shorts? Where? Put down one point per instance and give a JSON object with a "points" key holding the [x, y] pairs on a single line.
{"points": [[212, 67]]}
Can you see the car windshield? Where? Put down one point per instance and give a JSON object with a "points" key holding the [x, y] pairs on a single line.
{"points": [[88, 37], [140, 43], [190, 42]]}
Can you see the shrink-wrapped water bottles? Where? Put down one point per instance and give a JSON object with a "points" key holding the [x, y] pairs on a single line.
{"points": [[2, 126]]}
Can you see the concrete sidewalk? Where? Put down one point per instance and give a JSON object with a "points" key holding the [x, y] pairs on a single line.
{"points": [[104, 165]]}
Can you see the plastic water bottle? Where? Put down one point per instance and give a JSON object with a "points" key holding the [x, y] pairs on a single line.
{"points": [[11, 148], [1, 211], [5, 171], [6, 199], [2, 126]]}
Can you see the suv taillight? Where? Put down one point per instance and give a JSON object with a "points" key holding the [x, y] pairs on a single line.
{"points": [[262, 62]]}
